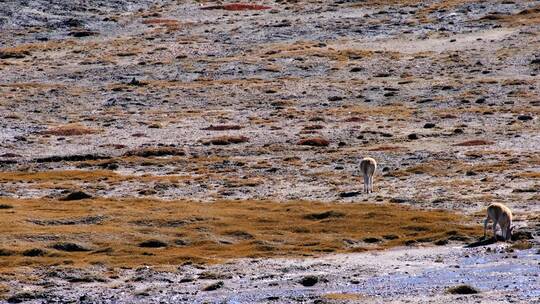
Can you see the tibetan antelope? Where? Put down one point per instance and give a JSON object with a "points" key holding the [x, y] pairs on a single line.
{"points": [[368, 166], [501, 215]]}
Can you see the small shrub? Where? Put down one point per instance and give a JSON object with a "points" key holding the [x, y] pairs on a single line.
{"points": [[34, 252], [462, 289], [222, 128], [309, 280], [214, 286], [314, 142], [152, 244], [70, 247], [324, 215], [522, 245], [240, 235], [371, 240], [75, 196], [6, 252], [227, 140], [13, 54], [155, 151]]}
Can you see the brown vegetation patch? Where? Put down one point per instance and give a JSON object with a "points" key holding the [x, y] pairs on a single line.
{"points": [[226, 140], [314, 142], [69, 130], [13, 54], [475, 142], [386, 148], [57, 175], [222, 127], [259, 229]]}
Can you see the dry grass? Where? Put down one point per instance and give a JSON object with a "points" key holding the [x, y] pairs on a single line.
{"points": [[57, 176], [203, 232], [69, 130]]}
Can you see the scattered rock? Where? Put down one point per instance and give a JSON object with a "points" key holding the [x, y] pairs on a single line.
{"points": [[70, 247], [349, 194], [34, 252], [441, 242], [372, 240], [80, 34], [522, 235], [242, 235], [214, 286], [75, 196], [324, 215], [309, 280], [23, 297], [462, 289], [412, 136], [314, 142], [152, 244], [524, 117], [335, 98]]}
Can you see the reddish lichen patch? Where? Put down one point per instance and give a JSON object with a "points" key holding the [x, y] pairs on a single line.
{"points": [[475, 142]]}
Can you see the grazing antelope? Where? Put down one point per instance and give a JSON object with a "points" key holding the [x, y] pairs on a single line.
{"points": [[501, 215], [368, 166]]}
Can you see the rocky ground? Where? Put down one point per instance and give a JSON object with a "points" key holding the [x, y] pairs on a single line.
{"points": [[204, 101], [423, 275]]}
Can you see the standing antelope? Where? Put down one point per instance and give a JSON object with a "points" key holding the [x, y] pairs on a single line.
{"points": [[499, 214], [368, 166]]}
